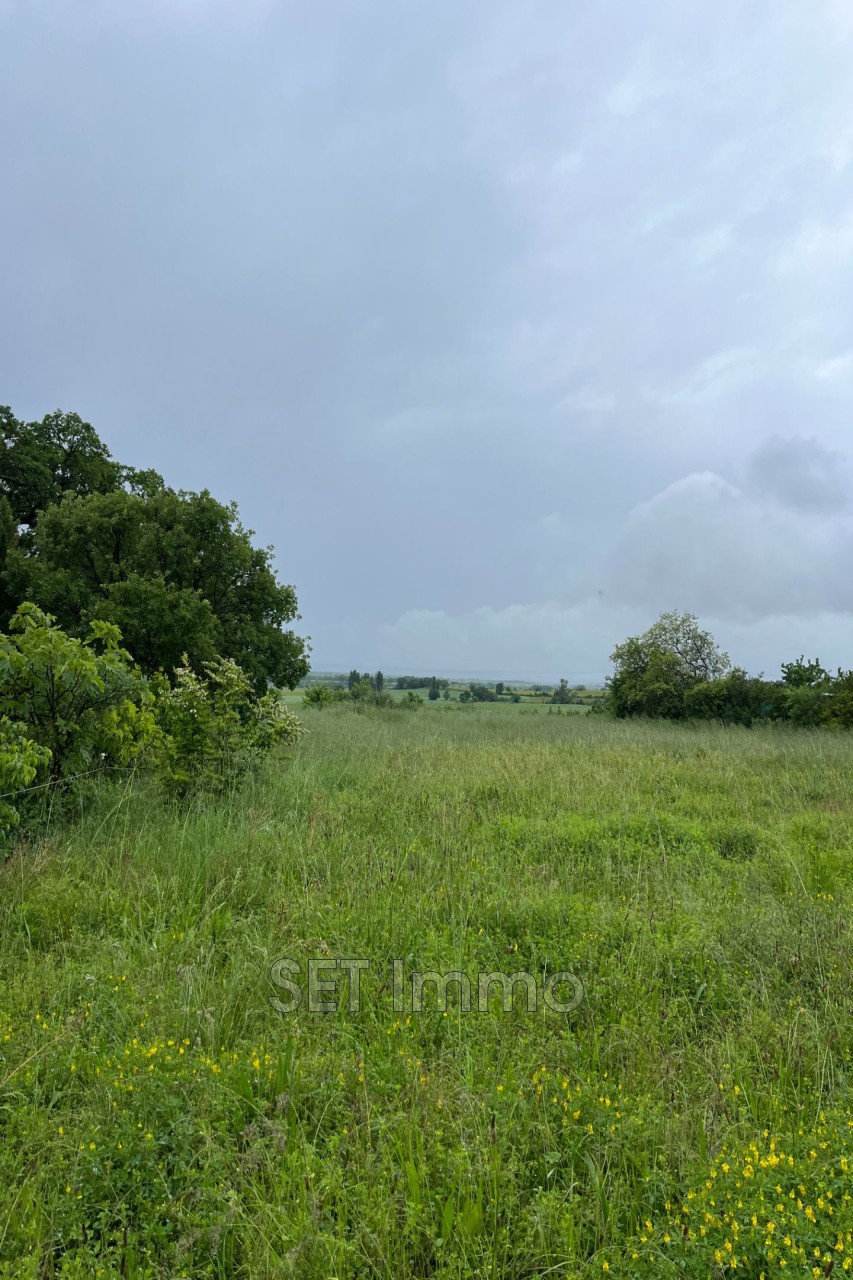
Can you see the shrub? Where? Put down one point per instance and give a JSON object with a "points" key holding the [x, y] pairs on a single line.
{"points": [[319, 695], [82, 700], [733, 699], [805, 705], [214, 728], [838, 710], [21, 761]]}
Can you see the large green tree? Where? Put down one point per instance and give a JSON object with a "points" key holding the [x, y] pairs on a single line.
{"points": [[176, 571], [41, 461], [654, 671]]}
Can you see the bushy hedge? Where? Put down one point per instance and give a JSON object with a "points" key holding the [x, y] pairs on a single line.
{"points": [[675, 671], [71, 708]]}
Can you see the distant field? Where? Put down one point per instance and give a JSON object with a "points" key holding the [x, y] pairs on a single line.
{"points": [[539, 702], [158, 1118]]}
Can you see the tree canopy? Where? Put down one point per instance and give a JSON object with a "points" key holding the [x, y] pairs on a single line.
{"points": [[87, 539], [653, 671]]}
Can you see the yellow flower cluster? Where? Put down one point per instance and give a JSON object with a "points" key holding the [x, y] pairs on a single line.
{"points": [[772, 1205]]}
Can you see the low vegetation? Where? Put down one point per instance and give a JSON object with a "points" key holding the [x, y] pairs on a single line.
{"points": [[159, 1118]]}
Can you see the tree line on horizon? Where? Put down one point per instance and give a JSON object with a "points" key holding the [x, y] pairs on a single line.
{"points": [[676, 671], [673, 671]]}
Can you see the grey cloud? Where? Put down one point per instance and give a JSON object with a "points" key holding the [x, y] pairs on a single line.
{"points": [[800, 473], [705, 545], [405, 280]]}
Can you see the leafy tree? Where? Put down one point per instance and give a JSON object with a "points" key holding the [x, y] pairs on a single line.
{"points": [[419, 682], [653, 671], [379, 682], [41, 461], [802, 699], [434, 691], [499, 688], [804, 675], [354, 678], [175, 571], [696, 651], [561, 693], [482, 693], [8, 539]]}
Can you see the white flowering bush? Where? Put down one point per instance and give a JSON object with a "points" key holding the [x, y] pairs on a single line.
{"points": [[215, 729]]}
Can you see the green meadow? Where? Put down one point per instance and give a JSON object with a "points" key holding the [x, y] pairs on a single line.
{"points": [[159, 1118]]}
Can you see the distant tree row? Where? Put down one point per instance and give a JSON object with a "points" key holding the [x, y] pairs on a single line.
{"points": [[376, 682], [676, 671], [421, 682]]}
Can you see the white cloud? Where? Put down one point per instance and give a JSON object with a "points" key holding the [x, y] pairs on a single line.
{"points": [[782, 547], [834, 367], [825, 244]]}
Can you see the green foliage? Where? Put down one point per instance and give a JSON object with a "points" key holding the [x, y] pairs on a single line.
{"points": [[563, 694], [359, 694], [482, 693], [804, 705], [802, 674], [361, 689], [647, 681], [734, 699], [420, 682], [838, 711], [653, 672], [320, 695], [215, 729], [82, 699], [175, 571], [41, 461], [21, 762]]}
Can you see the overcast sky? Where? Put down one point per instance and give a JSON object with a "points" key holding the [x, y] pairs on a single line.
{"points": [[508, 323]]}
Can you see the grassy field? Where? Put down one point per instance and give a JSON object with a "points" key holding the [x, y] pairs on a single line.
{"points": [[159, 1118]]}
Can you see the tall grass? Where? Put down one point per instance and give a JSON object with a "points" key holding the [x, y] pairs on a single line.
{"points": [[159, 1118]]}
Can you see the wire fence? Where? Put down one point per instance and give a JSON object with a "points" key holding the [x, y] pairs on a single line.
{"points": [[56, 783]]}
